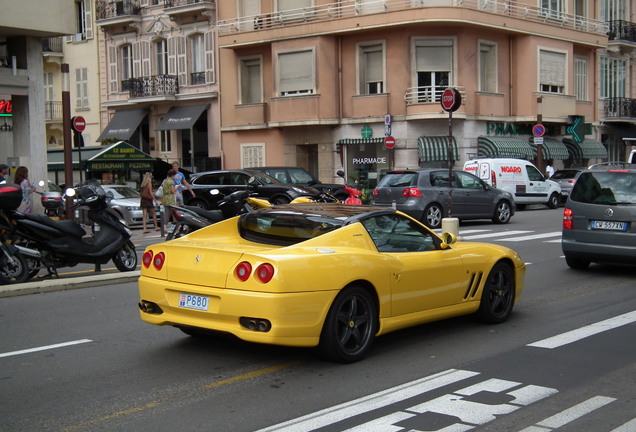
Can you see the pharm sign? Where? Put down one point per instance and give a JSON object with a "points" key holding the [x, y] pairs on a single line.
{"points": [[6, 108]]}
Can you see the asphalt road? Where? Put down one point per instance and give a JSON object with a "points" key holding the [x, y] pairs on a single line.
{"points": [[82, 360]]}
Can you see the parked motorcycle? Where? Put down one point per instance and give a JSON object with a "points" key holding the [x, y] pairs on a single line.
{"points": [[354, 194], [51, 244], [52, 201], [13, 265]]}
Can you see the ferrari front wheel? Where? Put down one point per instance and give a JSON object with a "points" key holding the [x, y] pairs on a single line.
{"points": [[498, 296], [350, 327]]}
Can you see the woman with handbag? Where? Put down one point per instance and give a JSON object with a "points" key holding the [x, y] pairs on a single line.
{"points": [[147, 201]]}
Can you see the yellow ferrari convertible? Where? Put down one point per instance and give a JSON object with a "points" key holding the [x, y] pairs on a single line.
{"points": [[331, 276]]}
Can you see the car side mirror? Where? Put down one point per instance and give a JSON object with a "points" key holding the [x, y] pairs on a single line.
{"points": [[448, 239], [340, 173]]}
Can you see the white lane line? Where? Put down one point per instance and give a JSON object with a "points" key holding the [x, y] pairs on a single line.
{"points": [[630, 426], [44, 348], [583, 332], [533, 237], [575, 412], [495, 234], [381, 399]]}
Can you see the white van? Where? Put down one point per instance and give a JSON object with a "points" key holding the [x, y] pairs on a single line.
{"points": [[519, 177]]}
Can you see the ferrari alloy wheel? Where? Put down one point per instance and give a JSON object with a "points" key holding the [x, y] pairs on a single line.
{"points": [[350, 327], [433, 216], [502, 212], [498, 296], [126, 258]]}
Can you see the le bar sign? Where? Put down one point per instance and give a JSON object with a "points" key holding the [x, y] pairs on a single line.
{"points": [[6, 108]]}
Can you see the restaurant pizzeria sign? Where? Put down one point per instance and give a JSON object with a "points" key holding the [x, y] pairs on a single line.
{"points": [[121, 156]]}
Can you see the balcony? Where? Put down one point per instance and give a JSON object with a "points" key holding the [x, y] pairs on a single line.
{"points": [[619, 108], [622, 36], [152, 86], [425, 100], [204, 9], [52, 45], [126, 13], [53, 111]]}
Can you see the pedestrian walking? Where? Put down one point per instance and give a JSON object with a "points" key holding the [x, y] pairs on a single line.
{"points": [[181, 183], [147, 202], [22, 178]]}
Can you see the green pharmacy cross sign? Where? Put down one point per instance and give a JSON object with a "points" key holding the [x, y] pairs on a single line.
{"points": [[578, 128], [366, 131]]}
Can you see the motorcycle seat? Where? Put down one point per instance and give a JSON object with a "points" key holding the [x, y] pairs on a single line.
{"points": [[66, 226], [208, 214]]}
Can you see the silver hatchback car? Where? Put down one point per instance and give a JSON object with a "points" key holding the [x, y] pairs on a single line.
{"points": [[424, 195], [599, 219]]}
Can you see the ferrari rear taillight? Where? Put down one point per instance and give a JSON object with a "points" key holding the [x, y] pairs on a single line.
{"points": [[243, 271], [265, 272], [159, 260], [412, 192], [147, 258], [567, 219]]}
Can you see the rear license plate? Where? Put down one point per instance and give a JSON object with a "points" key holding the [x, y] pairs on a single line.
{"points": [[191, 301], [609, 225]]}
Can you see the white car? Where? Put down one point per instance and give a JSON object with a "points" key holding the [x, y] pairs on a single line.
{"points": [[125, 203]]}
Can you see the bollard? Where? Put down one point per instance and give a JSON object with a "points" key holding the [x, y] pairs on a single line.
{"points": [[451, 225]]}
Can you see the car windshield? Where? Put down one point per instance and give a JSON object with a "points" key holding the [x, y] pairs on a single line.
{"points": [[120, 192], [564, 174], [398, 179], [263, 178], [611, 187], [285, 228]]}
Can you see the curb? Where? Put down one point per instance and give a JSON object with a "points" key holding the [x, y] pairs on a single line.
{"points": [[52, 285]]}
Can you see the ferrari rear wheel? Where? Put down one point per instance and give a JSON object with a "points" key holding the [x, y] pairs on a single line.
{"points": [[350, 327], [498, 296]]}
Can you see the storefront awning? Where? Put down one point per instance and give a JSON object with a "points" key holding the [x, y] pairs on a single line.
{"points": [[518, 148], [435, 148], [55, 158], [588, 149], [552, 149], [120, 156], [181, 117], [123, 124], [361, 141]]}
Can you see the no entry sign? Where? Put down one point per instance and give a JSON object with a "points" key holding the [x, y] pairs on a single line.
{"points": [[78, 124], [451, 99], [389, 142]]}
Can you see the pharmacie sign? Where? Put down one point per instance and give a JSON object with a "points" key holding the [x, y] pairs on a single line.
{"points": [[6, 108]]}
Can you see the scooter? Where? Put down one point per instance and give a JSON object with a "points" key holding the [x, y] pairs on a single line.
{"points": [[13, 265], [51, 244], [52, 201], [354, 194]]}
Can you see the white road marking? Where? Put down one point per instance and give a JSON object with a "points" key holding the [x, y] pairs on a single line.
{"points": [[381, 399], [570, 414], [630, 426], [533, 236], [492, 234], [44, 348], [584, 332]]}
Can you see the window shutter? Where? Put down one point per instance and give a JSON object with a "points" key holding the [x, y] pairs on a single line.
{"points": [[85, 100], [172, 56], [209, 57], [374, 66], [295, 71], [136, 53], [145, 58], [112, 69], [434, 56], [78, 88], [182, 60], [552, 68], [88, 18]]}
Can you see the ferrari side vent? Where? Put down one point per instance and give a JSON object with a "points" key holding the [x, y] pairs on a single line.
{"points": [[473, 284]]}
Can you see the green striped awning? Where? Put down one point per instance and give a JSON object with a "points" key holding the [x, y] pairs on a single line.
{"points": [[588, 149], [361, 141], [435, 148], [517, 148], [552, 149]]}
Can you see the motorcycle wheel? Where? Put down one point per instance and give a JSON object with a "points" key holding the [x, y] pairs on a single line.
{"points": [[13, 269], [126, 258]]}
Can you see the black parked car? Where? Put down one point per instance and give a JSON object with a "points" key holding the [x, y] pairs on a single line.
{"points": [[300, 176], [228, 181]]}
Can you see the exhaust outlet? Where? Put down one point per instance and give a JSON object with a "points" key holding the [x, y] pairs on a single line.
{"points": [[29, 252]]}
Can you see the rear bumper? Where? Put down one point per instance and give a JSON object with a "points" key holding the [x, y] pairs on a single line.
{"points": [[598, 252]]}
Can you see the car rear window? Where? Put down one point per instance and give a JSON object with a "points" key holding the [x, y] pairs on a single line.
{"points": [[284, 228], [399, 179], [611, 187]]}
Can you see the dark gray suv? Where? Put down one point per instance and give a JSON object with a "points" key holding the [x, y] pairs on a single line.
{"points": [[599, 219], [423, 194]]}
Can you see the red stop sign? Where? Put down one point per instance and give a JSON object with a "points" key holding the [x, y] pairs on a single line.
{"points": [[389, 142], [78, 124], [451, 99]]}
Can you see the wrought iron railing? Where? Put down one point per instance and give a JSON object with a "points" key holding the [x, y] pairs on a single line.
{"points": [[53, 44], [622, 30], [112, 9], [349, 8], [619, 107], [156, 85], [197, 78], [428, 94], [53, 111], [175, 3]]}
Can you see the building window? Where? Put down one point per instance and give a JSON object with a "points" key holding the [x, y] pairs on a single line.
{"points": [[371, 68], [161, 57], [250, 80], [552, 72], [197, 48], [613, 77], [296, 74], [252, 155], [165, 142], [433, 66], [612, 10], [580, 78], [83, 20], [487, 67], [552, 8], [81, 86], [249, 14], [294, 9], [48, 86], [126, 67]]}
